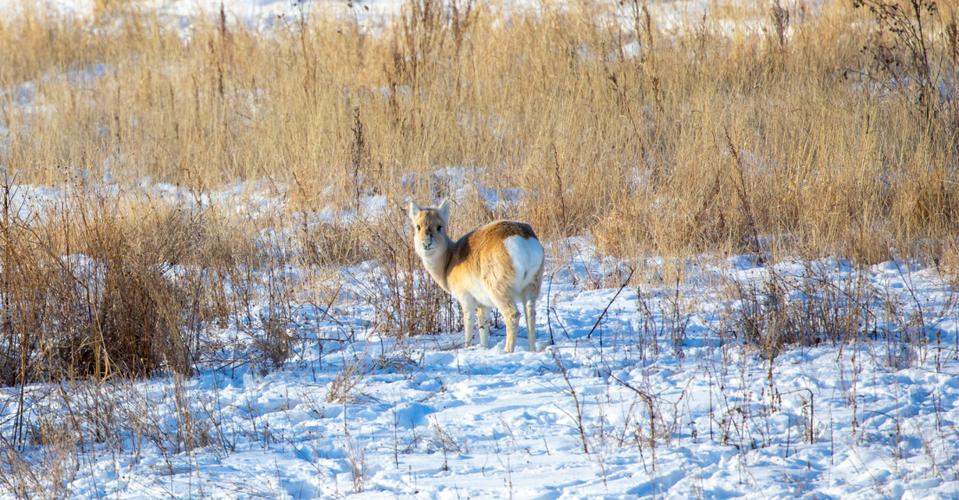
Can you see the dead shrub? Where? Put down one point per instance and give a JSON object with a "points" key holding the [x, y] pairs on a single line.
{"points": [[328, 243], [88, 293], [803, 310], [274, 340], [343, 387]]}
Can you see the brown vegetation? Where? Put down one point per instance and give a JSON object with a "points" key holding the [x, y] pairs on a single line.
{"points": [[827, 136]]}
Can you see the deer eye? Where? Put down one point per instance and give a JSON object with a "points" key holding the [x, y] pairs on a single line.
{"points": [[439, 228], [417, 227]]}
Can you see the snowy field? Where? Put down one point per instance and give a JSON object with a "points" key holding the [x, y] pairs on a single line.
{"points": [[647, 390], [265, 15]]}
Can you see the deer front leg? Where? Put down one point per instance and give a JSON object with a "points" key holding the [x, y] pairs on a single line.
{"points": [[483, 320], [469, 318]]}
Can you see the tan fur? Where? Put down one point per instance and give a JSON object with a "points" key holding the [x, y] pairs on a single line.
{"points": [[478, 270]]}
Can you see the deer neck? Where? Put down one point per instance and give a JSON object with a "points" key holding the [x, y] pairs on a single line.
{"points": [[437, 264]]}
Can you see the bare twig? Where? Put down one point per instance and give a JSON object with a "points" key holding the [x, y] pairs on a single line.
{"points": [[606, 309]]}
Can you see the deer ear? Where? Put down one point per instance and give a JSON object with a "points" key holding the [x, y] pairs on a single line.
{"points": [[444, 211], [414, 210]]}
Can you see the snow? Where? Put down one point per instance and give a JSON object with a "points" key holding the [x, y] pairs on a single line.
{"points": [[253, 198], [426, 417], [640, 391], [371, 207], [673, 17], [262, 15], [458, 183]]}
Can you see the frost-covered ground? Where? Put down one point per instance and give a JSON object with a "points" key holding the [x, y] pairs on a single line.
{"points": [[693, 415]]}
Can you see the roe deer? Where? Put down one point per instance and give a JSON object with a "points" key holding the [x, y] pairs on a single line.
{"points": [[496, 265]]}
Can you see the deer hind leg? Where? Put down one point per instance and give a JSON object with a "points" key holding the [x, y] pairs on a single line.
{"points": [[483, 320], [511, 317], [469, 319], [529, 302], [530, 312]]}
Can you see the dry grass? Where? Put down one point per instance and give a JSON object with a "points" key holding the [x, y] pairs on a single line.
{"points": [[769, 129], [99, 290], [709, 136]]}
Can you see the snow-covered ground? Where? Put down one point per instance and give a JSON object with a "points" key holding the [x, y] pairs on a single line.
{"points": [[263, 15], [649, 390], [693, 415], [255, 14]]}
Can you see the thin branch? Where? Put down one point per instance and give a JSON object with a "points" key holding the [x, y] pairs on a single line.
{"points": [[606, 309]]}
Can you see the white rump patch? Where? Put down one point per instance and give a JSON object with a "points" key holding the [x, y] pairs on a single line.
{"points": [[527, 255]]}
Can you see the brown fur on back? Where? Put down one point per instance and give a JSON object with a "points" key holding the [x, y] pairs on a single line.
{"points": [[487, 241]]}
